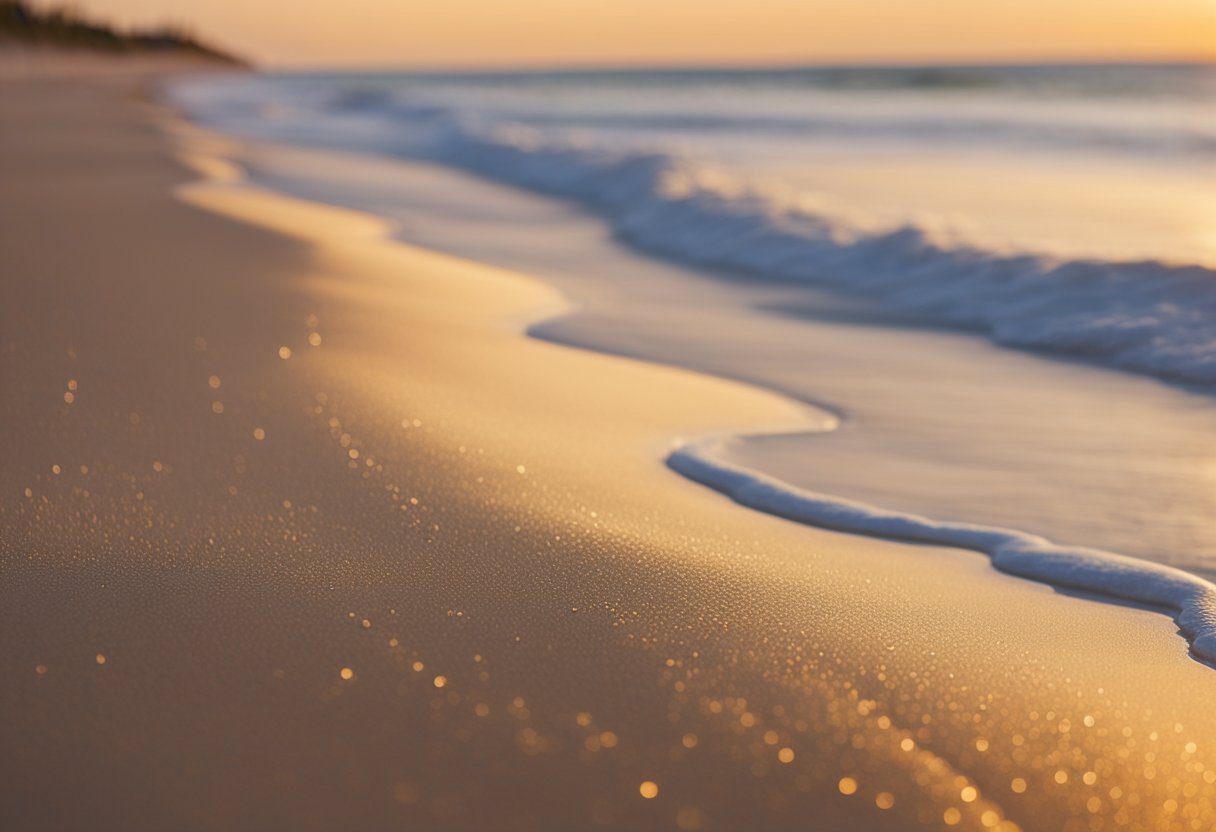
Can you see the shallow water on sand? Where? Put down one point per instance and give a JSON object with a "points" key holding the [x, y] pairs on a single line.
{"points": [[912, 418]]}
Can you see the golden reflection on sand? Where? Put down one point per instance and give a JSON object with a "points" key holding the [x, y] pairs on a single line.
{"points": [[451, 585]]}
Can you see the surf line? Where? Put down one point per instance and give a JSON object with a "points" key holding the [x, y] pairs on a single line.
{"points": [[1191, 600]]}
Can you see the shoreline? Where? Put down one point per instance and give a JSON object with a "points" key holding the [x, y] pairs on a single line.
{"points": [[1097, 569], [550, 567], [1188, 599]]}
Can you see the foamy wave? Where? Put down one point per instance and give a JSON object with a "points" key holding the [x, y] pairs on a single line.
{"points": [[1149, 317], [1190, 598]]}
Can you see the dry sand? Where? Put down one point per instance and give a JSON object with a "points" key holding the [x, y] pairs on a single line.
{"points": [[207, 521], [19, 62]]}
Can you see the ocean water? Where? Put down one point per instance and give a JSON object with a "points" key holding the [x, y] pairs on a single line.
{"points": [[869, 241], [1053, 208]]}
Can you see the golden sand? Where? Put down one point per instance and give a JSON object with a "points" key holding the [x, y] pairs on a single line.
{"points": [[321, 541]]}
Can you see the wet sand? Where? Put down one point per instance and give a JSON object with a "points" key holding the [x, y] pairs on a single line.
{"points": [[298, 530]]}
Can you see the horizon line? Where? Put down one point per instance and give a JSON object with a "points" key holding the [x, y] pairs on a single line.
{"points": [[756, 66]]}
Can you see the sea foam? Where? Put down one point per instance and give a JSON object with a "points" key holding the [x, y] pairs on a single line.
{"points": [[1150, 317], [1191, 599]]}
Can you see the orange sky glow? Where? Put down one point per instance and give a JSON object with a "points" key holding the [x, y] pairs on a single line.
{"points": [[442, 33]]}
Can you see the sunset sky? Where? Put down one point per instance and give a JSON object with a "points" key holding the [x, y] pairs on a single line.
{"points": [[563, 32]]}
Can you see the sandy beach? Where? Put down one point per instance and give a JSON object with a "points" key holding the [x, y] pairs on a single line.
{"points": [[299, 530]]}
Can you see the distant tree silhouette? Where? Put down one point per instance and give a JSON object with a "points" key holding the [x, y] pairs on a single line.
{"points": [[66, 28]]}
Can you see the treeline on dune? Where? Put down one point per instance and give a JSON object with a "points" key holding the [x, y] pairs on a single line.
{"points": [[66, 28]]}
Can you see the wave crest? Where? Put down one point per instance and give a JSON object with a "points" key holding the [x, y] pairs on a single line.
{"points": [[1150, 317]]}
